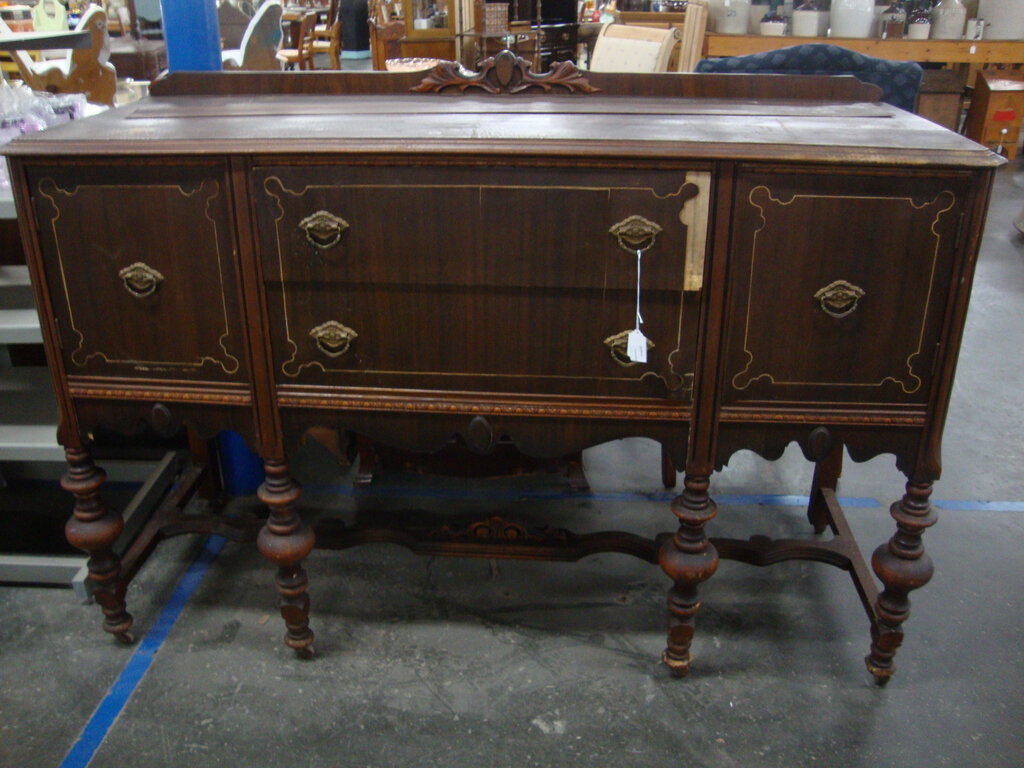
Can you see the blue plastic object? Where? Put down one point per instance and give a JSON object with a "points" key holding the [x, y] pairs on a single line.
{"points": [[192, 34], [241, 470]]}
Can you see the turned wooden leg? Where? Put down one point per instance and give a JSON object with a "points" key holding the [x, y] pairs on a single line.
{"points": [[94, 528], [903, 566], [688, 558], [286, 541], [826, 475]]}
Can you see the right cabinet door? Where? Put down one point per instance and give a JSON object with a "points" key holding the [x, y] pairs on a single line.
{"points": [[838, 285]]}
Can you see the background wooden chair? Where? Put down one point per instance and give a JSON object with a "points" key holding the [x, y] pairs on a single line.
{"points": [[82, 70], [233, 23], [301, 57], [622, 48], [258, 50], [691, 23], [328, 43], [386, 33]]}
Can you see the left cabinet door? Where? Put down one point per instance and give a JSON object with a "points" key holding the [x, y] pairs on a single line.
{"points": [[141, 265]]}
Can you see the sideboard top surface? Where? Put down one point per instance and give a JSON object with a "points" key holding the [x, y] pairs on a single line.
{"points": [[581, 125]]}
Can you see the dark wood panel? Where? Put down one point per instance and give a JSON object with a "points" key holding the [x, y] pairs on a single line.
{"points": [[506, 281], [129, 255], [851, 273]]}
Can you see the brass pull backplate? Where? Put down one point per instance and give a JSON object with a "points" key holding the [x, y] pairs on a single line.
{"points": [[140, 280], [839, 299], [333, 338], [618, 344], [635, 233], [323, 229]]}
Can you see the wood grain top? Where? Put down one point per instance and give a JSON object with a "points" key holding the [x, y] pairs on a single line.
{"points": [[581, 125]]}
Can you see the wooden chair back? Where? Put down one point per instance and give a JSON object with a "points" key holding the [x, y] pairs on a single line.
{"points": [[302, 56], [233, 24], [262, 38], [692, 25], [83, 70], [622, 48]]}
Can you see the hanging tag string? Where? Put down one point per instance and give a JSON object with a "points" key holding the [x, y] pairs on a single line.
{"points": [[636, 342], [639, 319]]}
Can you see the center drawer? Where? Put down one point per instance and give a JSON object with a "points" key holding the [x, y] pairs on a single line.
{"points": [[493, 279]]}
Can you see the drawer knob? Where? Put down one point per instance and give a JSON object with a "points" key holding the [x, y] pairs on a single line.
{"points": [[140, 280], [333, 338], [839, 299], [323, 229], [635, 233]]}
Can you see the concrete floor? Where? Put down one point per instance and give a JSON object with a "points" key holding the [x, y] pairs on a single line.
{"points": [[425, 661]]}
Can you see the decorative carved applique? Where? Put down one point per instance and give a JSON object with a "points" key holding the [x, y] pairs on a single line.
{"points": [[839, 299], [618, 344], [505, 73], [499, 530], [323, 229], [140, 280], [333, 338]]}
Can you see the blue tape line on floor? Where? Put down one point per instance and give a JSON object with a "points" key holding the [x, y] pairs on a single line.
{"points": [[517, 494], [107, 712], [981, 506]]}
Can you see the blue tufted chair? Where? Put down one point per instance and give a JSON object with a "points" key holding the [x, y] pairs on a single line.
{"points": [[899, 80]]}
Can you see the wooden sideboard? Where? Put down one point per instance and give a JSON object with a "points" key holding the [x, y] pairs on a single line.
{"points": [[412, 256]]}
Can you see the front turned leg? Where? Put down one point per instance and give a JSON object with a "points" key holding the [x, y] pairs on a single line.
{"points": [[94, 528], [903, 566], [688, 558], [286, 541]]}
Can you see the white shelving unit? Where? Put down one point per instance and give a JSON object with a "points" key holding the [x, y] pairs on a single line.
{"points": [[28, 433], [28, 416]]}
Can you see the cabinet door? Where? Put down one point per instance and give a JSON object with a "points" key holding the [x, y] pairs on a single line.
{"points": [[839, 285], [478, 279], [141, 267]]}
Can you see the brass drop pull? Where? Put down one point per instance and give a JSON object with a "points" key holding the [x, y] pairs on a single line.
{"points": [[839, 299], [619, 344], [333, 338], [635, 233], [140, 280], [323, 229]]}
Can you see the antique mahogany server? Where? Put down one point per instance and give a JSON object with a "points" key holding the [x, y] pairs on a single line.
{"points": [[416, 256]]}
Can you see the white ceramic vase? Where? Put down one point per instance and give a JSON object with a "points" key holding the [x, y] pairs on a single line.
{"points": [[1005, 19], [853, 18], [948, 20], [809, 23], [731, 16]]}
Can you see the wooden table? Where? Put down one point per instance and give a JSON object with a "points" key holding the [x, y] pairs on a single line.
{"points": [[408, 266], [41, 41]]}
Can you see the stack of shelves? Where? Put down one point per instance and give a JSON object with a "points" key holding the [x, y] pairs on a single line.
{"points": [[28, 437]]}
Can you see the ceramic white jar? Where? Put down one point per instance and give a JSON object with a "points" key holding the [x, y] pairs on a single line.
{"points": [[948, 20], [732, 16], [853, 18], [758, 8], [806, 23], [1005, 19]]}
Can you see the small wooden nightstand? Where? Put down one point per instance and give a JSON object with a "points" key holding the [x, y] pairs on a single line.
{"points": [[995, 114]]}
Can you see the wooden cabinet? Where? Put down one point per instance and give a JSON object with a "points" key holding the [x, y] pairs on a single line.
{"points": [[812, 258], [542, 308], [410, 266], [996, 113], [122, 275]]}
